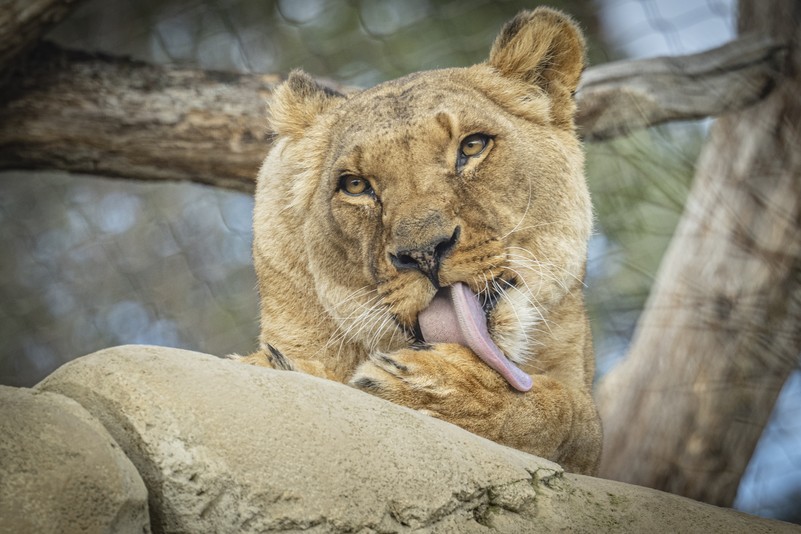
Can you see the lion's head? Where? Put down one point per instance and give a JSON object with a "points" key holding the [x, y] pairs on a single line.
{"points": [[371, 203]]}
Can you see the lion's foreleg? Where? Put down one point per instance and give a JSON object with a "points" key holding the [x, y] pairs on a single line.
{"points": [[448, 381]]}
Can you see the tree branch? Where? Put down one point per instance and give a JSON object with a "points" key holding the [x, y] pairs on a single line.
{"points": [[23, 22], [115, 117], [616, 98]]}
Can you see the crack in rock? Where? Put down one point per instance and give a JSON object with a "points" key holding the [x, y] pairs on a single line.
{"points": [[512, 497]]}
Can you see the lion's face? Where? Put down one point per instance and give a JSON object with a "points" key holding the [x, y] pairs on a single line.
{"points": [[460, 175]]}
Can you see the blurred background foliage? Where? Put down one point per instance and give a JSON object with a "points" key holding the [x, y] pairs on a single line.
{"points": [[91, 262]]}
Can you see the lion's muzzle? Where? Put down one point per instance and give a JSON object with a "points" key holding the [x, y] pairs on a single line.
{"points": [[426, 258]]}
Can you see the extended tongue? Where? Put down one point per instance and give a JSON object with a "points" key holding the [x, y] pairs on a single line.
{"points": [[456, 316]]}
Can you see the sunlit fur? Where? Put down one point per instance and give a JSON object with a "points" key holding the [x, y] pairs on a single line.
{"points": [[334, 304]]}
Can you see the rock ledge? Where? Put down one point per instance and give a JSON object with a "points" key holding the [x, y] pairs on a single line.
{"points": [[226, 447]]}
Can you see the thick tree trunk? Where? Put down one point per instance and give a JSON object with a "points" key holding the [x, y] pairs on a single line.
{"points": [[722, 328]]}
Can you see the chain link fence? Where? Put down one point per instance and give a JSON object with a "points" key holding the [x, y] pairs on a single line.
{"points": [[91, 262]]}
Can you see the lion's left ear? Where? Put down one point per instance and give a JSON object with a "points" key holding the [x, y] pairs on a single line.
{"points": [[544, 48], [298, 102]]}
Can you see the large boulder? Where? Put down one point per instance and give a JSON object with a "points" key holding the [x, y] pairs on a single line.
{"points": [[226, 447], [61, 472]]}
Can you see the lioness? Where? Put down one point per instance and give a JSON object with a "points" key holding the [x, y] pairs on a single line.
{"points": [[425, 241]]}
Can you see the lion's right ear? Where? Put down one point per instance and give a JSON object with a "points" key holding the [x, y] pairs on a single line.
{"points": [[542, 48], [297, 102]]}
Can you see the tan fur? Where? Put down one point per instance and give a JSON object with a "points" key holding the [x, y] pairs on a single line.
{"points": [[334, 305]]}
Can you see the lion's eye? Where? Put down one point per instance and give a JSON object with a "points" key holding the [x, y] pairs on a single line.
{"points": [[354, 185], [472, 146]]}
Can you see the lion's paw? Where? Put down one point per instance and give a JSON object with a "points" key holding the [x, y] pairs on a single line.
{"points": [[444, 380]]}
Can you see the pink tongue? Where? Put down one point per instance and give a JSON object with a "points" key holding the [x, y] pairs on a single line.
{"points": [[456, 316]]}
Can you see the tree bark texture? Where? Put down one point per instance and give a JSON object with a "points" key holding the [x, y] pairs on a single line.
{"points": [[23, 22], [113, 117], [720, 333], [616, 98]]}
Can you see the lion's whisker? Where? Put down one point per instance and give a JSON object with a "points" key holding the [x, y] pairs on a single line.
{"points": [[531, 298], [379, 332], [358, 317], [525, 212], [532, 257], [540, 269], [523, 328]]}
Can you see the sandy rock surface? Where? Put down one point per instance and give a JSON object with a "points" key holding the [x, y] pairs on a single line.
{"points": [[61, 472], [226, 447]]}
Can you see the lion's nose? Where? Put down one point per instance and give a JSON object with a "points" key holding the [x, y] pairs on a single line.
{"points": [[426, 258]]}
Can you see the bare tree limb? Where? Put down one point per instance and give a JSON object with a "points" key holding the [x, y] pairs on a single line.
{"points": [[115, 117], [23, 22], [619, 97]]}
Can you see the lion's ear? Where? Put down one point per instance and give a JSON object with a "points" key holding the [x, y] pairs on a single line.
{"points": [[544, 48], [297, 102]]}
